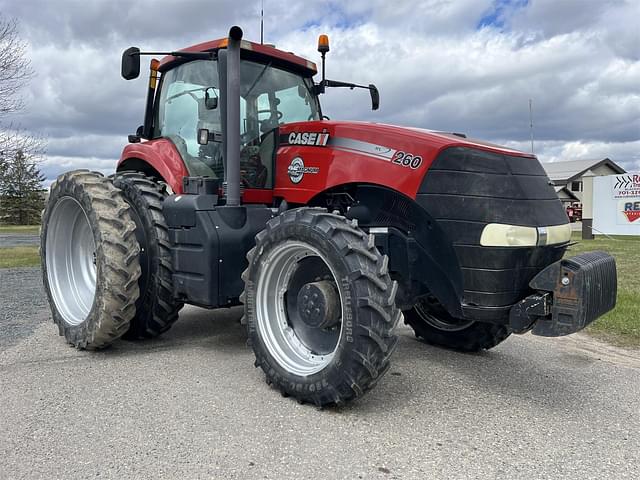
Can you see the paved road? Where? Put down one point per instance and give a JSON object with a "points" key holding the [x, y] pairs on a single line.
{"points": [[190, 405], [18, 240]]}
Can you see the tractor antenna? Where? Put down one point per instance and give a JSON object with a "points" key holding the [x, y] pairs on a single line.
{"points": [[531, 122], [262, 22]]}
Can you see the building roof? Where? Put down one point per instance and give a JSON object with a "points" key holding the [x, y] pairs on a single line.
{"points": [[562, 189], [565, 171]]}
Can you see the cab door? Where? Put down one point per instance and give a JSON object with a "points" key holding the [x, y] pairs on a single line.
{"points": [[188, 102]]}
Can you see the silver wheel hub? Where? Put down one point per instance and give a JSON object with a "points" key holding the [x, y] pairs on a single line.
{"points": [[71, 260], [299, 346]]}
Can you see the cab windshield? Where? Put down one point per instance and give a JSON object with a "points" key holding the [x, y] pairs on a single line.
{"points": [[270, 97]]}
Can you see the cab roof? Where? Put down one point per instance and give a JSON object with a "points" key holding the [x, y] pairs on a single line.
{"points": [[250, 50]]}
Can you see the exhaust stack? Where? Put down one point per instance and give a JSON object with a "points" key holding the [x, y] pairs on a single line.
{"points": [[233, 117]]}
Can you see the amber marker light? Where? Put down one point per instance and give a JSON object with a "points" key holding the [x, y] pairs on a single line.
{"points": [[323, 43]]}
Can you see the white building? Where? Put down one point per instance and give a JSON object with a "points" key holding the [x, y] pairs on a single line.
{"points": [[567, 176]]}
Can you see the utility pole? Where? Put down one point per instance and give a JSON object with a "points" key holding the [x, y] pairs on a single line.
{"points": [[531, 122]]}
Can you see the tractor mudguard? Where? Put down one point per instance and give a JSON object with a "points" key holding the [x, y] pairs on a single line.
{"points": [[421, 255], [572, 293]]}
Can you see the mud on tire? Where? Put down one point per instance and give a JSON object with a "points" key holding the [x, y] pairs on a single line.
{"points": [[367, 311], [156, 309], [89, 257]]}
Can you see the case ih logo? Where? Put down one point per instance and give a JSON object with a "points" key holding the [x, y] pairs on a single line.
{"points": [[627, 186], [308, 138], [632, 211]]}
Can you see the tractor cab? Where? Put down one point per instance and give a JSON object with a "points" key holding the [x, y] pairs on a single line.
{"points": [[187, 105], [188, 112]]}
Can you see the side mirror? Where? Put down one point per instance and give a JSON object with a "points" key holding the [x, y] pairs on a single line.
{"points": [[375, 97], [131, 63], [210, 102]]}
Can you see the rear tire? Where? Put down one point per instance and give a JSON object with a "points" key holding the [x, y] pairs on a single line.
{"points": [[349, 352], [89, 257], [156, 308], [434, 325]]}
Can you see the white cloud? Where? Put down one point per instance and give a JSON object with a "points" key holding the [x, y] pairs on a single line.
{"points": [[579, 60]]}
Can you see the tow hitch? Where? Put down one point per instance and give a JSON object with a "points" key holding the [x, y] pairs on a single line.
{"points": [[571, 293]]}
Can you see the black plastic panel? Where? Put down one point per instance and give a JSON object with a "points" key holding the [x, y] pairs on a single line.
{"points": [[531, 213], [209, 245], [466, 189], [469, 184]]}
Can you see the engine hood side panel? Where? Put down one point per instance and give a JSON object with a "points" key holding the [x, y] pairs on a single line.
{"points": [[337, 153]]}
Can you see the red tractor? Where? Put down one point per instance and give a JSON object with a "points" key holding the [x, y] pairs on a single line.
{"points": [[237, 190]]}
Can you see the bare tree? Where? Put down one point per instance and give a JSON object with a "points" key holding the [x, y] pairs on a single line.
{"points": [[15, 68], [20, 151]]}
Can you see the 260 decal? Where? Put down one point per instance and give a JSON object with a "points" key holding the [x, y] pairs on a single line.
{"points": [[406, 159]]}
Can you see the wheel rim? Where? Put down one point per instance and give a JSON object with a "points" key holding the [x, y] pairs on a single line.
{"points": [[449, 325], [299, 348], [71, 260]]}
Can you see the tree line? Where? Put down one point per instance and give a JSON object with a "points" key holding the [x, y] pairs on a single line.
{"points": [[22, 192]]}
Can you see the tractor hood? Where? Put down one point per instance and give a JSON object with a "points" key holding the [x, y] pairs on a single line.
{"points": [[335, 153]]}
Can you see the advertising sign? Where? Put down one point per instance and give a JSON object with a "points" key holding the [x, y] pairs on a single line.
{"points": [[616, 204]]}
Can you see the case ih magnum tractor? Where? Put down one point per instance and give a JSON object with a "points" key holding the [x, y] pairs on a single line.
{"points": [[237, 190]]}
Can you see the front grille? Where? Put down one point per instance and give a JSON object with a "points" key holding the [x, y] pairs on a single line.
{"points": [[466, 189]]}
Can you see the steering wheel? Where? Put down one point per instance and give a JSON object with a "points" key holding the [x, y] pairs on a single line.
{"points": [[279, 114]]}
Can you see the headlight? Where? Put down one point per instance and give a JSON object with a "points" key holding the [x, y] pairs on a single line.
{"points": [[500, 235]]}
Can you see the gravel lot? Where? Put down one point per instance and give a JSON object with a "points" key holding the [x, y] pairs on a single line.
{"points": [[23, 306], [190, 405]]}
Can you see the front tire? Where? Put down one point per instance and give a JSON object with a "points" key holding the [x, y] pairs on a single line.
{"points": [[434, 325], [319, 307], [156, 309], [89, 256]]}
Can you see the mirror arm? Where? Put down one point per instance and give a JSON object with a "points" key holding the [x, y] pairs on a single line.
{"points": [[320, 88], [188, 55], [336, 83]]}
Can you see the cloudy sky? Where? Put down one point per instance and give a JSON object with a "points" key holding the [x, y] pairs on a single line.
{"points": [[458, 65]]}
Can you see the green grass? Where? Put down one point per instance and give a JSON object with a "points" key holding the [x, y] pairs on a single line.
{"points": [[622, 325], [27, 256], [20, 229]]}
